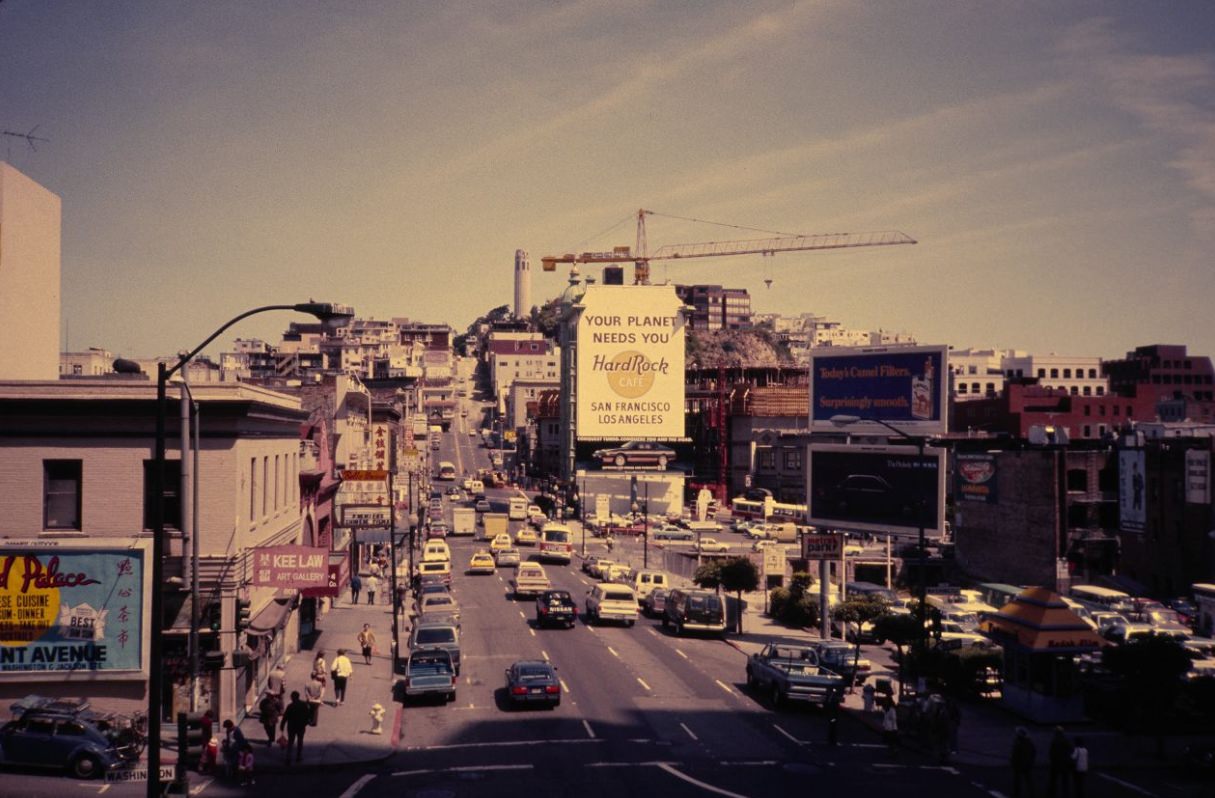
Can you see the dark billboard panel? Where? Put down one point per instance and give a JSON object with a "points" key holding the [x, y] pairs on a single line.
{"points": [[903, 386], [876, 488]]}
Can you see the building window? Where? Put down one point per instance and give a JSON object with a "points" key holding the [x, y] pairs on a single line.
{"points": [[61, 491], [277, 481], [1088, 411], [793, 459], [1067, 374], [252, 488], [1100, 390], [961, 387], [1092, 374], [265, 484], [1088, 390], [77, 370], [172, 494], [1041, 373], [1054, 374], [1088, 431], [766, 459]]}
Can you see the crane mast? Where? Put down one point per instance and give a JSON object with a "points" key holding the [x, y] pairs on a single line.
{"points": [[709, 249]]}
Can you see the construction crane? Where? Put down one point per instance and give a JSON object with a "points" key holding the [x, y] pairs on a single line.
{"points": [[780, 242]]}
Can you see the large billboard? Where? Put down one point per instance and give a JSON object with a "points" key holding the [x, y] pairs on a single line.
{"points": [[975, 478], [71, 609], [876, 488], [1132, 490], [630, 363], [905, 386]]}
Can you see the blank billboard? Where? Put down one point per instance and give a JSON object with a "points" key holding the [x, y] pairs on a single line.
{"points": [[876, 488]]}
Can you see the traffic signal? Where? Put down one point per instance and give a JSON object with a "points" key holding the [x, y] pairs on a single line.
{"points": [[244, 614], [190, 742], [213, 616]]}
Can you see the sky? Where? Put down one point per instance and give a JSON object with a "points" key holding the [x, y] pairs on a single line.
{"points": [[1055, 161]]}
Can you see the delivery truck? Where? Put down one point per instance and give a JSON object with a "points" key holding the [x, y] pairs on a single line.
{"points": [[463, 521]]}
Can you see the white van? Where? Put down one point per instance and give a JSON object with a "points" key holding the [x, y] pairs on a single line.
{"points": [[436, 549], [645, 581]]}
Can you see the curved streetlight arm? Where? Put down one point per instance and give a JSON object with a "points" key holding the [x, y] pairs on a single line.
{"points": [[846, 421], [324, 311]]}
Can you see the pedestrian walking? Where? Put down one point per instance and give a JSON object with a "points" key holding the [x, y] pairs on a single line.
{"points": [[276, 683], [270, 709], [314, 692], [372, 585], [356, 585], [367, 643], [833, 718], [296, 719], [1022, 760], [953, 716], [1079, 766], [342, 670], [868, 693], [234, 741], [890, 725], [319, 671], [1060, 758], [244, 765]]}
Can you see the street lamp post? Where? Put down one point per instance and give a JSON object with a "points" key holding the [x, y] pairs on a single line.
{"points": [[326, 312], [645, 557], [922, 581]]}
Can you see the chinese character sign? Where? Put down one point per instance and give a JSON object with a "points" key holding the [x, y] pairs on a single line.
{"points": [[66, 610]]}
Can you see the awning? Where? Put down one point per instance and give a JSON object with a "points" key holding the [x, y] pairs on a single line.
{"points": [[274, 615]]}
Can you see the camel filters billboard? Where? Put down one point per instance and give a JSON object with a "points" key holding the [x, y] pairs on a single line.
{"points": [[630, 363]]}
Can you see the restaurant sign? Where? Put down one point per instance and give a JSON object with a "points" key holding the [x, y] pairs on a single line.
{"points": [[71, 609]]}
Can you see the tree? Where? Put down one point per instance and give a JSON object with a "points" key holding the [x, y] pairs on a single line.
{"points": [[859, 610], [1151, 671], [708, 575], [738, 574], [902, 630]]}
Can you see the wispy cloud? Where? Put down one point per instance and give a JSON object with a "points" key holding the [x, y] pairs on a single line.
{"points": [[1168, 94]]}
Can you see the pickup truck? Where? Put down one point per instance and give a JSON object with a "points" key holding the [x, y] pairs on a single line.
{"points": [[556, 608], [429, 673], [529, 580], [792, 673]]}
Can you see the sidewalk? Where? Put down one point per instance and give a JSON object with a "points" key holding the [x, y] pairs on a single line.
{"points": [[342, 735]]}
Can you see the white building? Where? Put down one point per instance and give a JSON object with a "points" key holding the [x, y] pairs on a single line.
{"points": [[30, 218], [527, 356], [809, 331]]}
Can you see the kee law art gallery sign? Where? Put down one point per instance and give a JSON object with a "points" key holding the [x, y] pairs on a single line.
{"points": [[630, 363]]}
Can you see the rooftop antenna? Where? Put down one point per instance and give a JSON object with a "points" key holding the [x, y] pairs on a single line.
{"points": [[29, 137]]}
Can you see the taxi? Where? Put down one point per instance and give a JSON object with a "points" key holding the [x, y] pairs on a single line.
{"points": [[482, 562], [526, 537], [501, 541]]}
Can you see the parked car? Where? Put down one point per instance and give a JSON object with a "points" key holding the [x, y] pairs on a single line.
{"points": [[429, 605], [694, 610], [556, 608], [635, 454], [437, 635], [654, 603], [59, 739], [713, 546], [792, 673], [429, 672], [532, 681]]}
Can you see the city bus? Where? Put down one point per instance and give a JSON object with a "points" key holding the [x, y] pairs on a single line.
{"points": [[997, 594], [1101, 599], [447, 471], [775, 512], [555, 543]]}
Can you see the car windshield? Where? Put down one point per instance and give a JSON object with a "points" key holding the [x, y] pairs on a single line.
{"points": [[704, 602], [557, 536]]}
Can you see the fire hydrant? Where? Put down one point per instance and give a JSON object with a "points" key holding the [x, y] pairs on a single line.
{"points": [[377, 719]]}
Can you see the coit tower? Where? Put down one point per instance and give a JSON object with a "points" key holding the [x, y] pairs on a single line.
{"points": [[523, 285]]}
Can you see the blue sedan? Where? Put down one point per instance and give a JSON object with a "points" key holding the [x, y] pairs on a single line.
{"points": [[532, 681]]}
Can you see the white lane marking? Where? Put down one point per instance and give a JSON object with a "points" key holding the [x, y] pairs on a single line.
{"points": [[725, 686], [787, 734], [104, 789], [361, 782], [521, 615], [652, 631], [613, 652], [533, 631], [703, 785], [464, 769], [589, 731], [688, 731], [504, 744], [1127, 784], [544, 655], [564, 687], [680, 653], [641, 682], [206, 783]]}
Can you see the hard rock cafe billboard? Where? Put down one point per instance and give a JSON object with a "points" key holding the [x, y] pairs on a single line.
{"points": [[630, 363], [75, 609]]}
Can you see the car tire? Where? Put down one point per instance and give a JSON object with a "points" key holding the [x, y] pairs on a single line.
{"points": [[85, 766], [451, 697], [750, 680], [666, 624], [679, 628], [620, 461], [778, 701], [629, 623]]}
